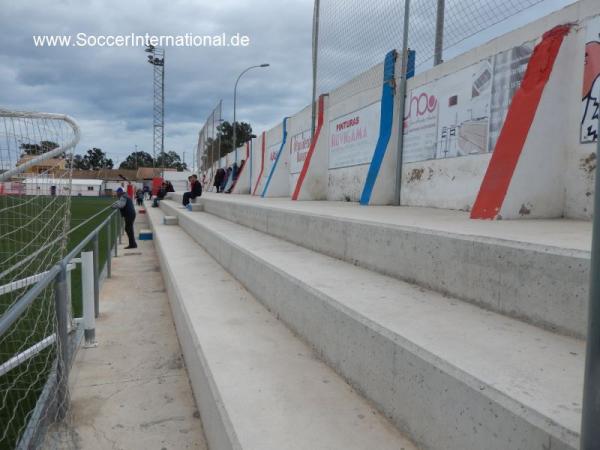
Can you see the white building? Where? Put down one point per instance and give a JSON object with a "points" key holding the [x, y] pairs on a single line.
{"points": [[60, 186]]}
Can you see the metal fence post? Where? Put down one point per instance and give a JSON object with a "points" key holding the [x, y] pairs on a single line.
{"points": [[96, 277], [87, 291], [590, 430], [62, 369], [108, 250], [439, 32], [402, 100], [113, 223]]}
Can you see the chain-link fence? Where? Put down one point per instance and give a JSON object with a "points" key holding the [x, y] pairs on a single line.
{"points": [[209, 144], [35, 149], [352, 37]]}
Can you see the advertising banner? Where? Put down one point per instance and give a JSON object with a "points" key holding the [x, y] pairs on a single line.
{"points": [[352, 137], [420, 124], [464, 108], [299, 145], [509, 69], [590, 97], [271, 156], [450, 116]]}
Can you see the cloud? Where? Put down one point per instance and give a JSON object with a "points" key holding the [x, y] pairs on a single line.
{"points": [[109, 90]]}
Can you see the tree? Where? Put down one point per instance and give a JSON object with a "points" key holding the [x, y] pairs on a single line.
{"points": [[94, 159], [171, 160], [243, 133], [136, 160]]}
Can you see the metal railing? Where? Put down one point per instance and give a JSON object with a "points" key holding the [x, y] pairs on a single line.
{"points": [[52, 404]]}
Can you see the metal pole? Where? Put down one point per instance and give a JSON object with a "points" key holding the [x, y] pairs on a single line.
{"points": [[120, 229], [62, 374], [439, 32], [219, 134], [96, 277], [234, 119], [162, 115], [402, 100], [87, 290], [235, 104], [108, 250], [590, 421], [315, 50], [116, 226]]}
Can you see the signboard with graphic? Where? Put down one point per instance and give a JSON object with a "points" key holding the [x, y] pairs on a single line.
{"points": [[352, 137], [299, 145], [509, 69], [590, 97]]}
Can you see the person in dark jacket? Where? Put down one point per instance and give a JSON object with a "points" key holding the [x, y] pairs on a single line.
{"points": [[195, 190], [219, 178], [125, 205]]}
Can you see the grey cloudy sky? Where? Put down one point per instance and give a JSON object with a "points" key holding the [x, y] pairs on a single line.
{"points": [[109, 90]]}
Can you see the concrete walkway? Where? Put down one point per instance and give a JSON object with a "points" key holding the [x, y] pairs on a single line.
{"points": [[133, 391]]}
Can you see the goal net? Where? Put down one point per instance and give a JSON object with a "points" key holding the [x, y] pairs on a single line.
{"points": [[35, 181]]}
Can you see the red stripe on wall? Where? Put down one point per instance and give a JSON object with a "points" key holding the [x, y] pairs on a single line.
{"points": [[311, 149], [516, 127], [262, 163]]}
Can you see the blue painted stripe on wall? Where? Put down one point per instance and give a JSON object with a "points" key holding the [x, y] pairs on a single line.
{"points": [[385, 126], [283, 139]]}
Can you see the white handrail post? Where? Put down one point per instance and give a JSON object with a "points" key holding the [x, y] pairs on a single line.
{"points": [[87, 290]]}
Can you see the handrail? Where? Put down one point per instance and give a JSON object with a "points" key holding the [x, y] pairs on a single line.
{"points": [[14, 312]]}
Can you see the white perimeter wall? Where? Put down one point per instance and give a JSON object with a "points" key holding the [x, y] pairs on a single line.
{"points": [[454, 182]]}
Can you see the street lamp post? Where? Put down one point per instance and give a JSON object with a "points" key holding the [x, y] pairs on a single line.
{"points": [[235, 104], [157, 59]]}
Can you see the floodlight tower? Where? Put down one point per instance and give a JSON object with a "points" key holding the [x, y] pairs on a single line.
{"points": [[157, 59]]}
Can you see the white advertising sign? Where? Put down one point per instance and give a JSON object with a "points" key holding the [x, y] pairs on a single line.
{"points": [[352, 137], [420, 124], [450, 116], [271, 156], [464, 113], [299, 145], [590, 100], [509, 69]]}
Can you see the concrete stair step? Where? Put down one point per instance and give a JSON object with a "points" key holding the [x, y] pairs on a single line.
{"points": [[450, 374], [542, 280], [256, 384]]}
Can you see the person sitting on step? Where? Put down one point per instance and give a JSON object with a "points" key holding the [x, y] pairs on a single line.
{"points": [[195, 190]]}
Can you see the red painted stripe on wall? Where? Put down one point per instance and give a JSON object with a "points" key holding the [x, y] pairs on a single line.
{"points": [[262, 163], [519, 118], [311, 149]]}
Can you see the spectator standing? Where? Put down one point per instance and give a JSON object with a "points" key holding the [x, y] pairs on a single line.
{"points": [[125, 206]]}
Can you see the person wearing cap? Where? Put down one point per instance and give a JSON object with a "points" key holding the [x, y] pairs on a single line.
{"points": [[125, 205]]}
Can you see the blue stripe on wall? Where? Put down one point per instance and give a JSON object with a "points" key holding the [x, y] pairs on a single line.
{"points": [[274, 166], [385, 126]]}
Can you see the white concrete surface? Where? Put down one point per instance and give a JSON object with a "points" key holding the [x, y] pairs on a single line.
{"points": [[452, 375], [259, 387], [132, 391], [535, 270]]}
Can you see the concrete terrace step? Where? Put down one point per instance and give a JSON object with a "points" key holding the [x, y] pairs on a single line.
{"points": [[257, 386], [537, 271], [452, 375]]}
